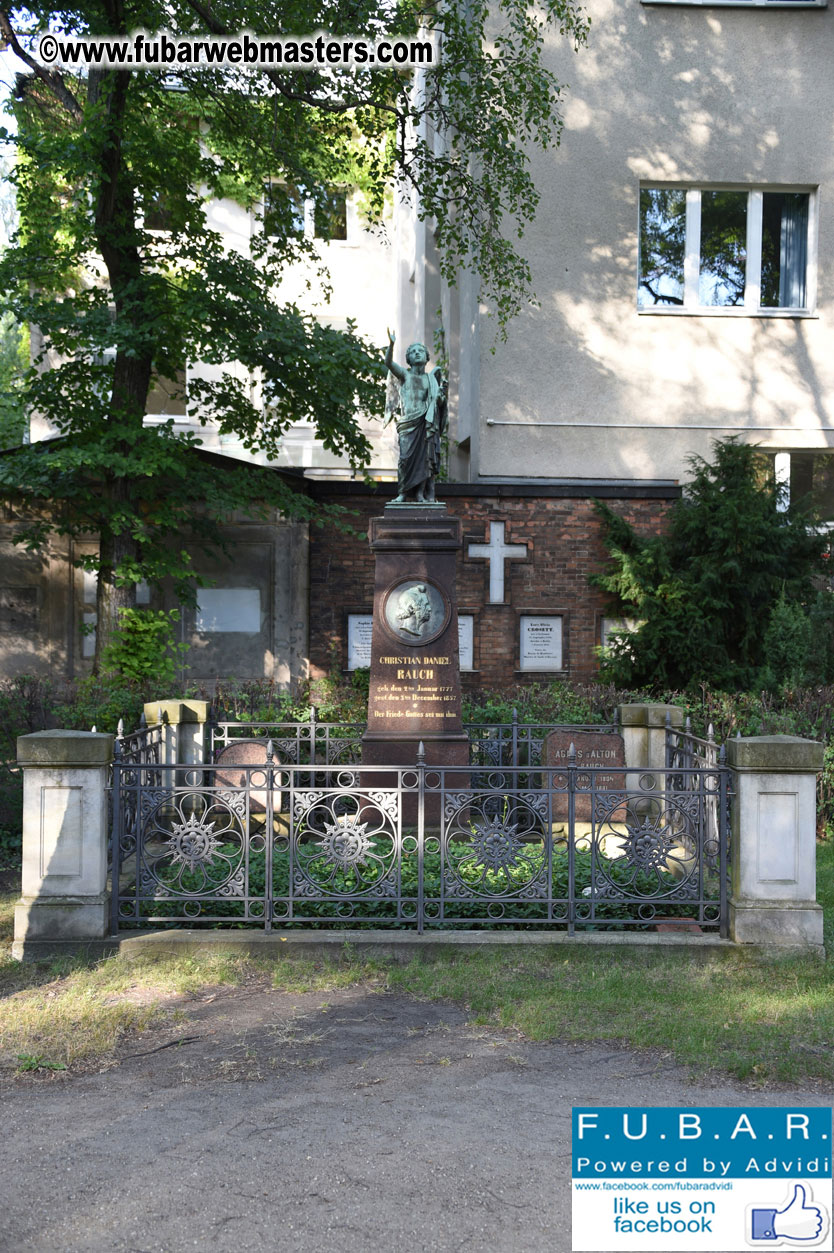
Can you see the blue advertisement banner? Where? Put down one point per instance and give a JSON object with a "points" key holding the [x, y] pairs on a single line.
{"points": [[635, 1142], [701, 1178]]}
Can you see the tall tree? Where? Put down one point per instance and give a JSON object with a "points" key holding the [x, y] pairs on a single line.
{"points": [[103, 152]]}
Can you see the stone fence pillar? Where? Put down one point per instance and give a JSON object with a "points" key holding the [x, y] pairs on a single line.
{"points": [[64, 890], [774, 854], [183, 730], [644, 734]]}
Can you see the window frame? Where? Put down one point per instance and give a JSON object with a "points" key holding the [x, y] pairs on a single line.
{"points": [[753, 265], [308, 207]]}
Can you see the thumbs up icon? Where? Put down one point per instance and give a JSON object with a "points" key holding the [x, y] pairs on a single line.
{"points": [[796, 1221]]}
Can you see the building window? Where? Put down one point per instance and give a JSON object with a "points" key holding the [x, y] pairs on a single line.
{"points": [[158, 216], [283, 211], [806, 477], [167, 396], [330, 213], [739, 250], [318, 214]]}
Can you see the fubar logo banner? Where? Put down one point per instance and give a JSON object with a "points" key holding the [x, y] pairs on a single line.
{"points": [[647, 1177]]}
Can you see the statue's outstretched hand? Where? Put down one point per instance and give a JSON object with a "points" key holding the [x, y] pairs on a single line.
{"points": [[392, 339]]}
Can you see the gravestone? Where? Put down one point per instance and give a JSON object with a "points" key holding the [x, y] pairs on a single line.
{"points": [[234, 771], [603, 749], [414, 693]]}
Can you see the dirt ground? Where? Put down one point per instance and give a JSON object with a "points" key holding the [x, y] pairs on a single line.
{"points": [[356, 1119]]}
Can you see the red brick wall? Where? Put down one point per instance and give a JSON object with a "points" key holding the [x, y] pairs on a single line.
{"points": [[564, 546]]}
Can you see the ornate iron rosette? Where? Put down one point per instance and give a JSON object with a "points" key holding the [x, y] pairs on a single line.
{"points": [[495, 846], [646, 848], [192, 844], [345, 844]]}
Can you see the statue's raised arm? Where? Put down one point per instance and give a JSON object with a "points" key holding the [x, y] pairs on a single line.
{"points": [[390, 364]]}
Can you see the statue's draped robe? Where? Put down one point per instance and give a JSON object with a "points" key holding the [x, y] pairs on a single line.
{"points": [[419, 451]]}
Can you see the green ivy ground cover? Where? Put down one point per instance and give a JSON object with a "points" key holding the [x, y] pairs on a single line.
{"points": [[475, 896]]}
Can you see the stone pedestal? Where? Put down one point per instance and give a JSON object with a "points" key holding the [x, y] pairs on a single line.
{"points": [[414, 692], [64, 890], [183, 730], [774, 842], [644, 734]]}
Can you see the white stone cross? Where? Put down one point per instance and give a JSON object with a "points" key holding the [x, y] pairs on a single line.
{"points": [[496, 552]]}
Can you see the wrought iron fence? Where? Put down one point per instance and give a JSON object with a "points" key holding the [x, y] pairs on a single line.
{"points": [[688, 750], [142, 745], [277, 845], [520, 743], [300, 743], [688, 753], [294, 743]]}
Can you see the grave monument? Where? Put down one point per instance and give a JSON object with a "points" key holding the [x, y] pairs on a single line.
{"points": [[603, 750], [414, 694]]}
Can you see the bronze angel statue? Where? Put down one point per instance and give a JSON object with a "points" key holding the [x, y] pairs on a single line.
{"points": [[420, 410]]}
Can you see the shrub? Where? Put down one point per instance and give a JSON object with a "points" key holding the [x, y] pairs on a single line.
{"points": [[142, 648], [733, 569]]}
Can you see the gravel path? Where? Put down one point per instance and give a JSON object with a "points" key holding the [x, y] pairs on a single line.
{"points": [[319, 1122]]}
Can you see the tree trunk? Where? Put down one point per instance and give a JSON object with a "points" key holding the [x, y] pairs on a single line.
{"points": [[116, 234]]}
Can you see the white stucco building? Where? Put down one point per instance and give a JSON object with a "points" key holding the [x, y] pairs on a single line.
{"points": [[683, 255]]}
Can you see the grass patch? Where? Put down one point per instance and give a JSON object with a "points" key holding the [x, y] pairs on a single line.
{"points": [[72, 1012], [7, 900], [768, 1019], [825, 892], [755, 1018], [765, 1020]]}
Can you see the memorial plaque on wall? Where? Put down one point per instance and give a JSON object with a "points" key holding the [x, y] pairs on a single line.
{"points": [[88, 639], [466, 641], [619, 626], [541, 643], [228, 609], [360, 629], [603, 750]]}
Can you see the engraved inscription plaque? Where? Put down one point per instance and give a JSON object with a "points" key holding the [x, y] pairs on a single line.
{"points": [[602, 750], [466, 641], [360, 630], [541, 643], [228, 609]]}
